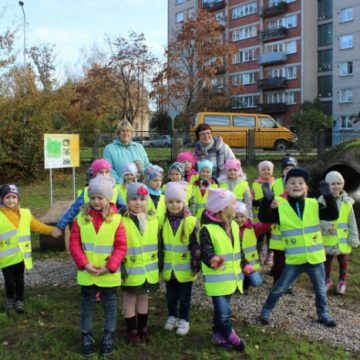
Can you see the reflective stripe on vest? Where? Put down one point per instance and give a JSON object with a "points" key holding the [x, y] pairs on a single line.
{"points": [[141, 260], [228, 278], [341, 230], [98, 247], [248, 243], [302, 238], [238, 190], [177, 256]]}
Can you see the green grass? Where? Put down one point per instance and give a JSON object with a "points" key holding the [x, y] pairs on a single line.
{"points": [[50, 330]]}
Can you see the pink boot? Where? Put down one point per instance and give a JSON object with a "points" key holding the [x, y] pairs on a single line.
{"points": [[237, 343]]}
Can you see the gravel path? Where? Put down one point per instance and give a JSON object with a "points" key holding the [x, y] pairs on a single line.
{"points": [[294, 314]]}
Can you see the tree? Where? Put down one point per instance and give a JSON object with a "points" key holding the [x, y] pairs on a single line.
{"points": [[161, 121], [313, 117], [197, 60]]}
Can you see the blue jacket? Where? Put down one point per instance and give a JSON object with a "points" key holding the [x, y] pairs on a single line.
{"points": [[118, 154], [75, 208]]}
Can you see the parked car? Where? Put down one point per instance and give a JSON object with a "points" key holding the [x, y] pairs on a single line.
{"points": [[144, 140], [161, 141]]}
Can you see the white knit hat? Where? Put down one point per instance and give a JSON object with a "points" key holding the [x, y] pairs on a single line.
{"points": [[241, 208], [102, 185], [334, 176]]}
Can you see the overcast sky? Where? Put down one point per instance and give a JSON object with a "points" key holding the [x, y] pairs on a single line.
{"points": [[73, 24]]}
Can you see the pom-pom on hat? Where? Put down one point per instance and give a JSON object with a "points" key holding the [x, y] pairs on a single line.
{"points": [[129, 168], [176, 190], [205, 163], [265, 164], [187, 156], [9, 189], [297, 172], [233, 164], [99, 164], [242, 208], [136, 190], [334, 176], [219, 199], [102, 185], [288, 161], [177, 166], [153, 172]]}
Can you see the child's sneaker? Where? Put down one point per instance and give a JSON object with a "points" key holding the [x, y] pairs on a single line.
{"points": [[87, 343], [19, 306], [9, 305], [341, 287], [171, 323], [107, 344], [237, 343], [183, 328], [329, 284]]}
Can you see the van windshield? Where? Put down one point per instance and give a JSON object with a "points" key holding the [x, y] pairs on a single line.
{"points": [[267, 123]]}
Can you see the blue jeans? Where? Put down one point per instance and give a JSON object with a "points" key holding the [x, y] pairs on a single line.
{"points": [[289, 275], [222, 315], [87, 307], [255, 279], [178, 293]]}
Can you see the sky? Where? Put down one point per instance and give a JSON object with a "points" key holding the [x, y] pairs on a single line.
{"points": [[75, 24]]}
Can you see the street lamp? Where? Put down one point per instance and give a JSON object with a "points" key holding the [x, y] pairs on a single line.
{"points": [[21, 3]]}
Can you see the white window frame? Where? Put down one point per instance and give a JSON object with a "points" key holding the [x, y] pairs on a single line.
{"points": [[179, 17], [278, 97], [347, 120], [191, 13], [346, 41], [245, 32], [248, 100], [346, 96], [346, 68], [246, 55], [244, 10], [246, 78], [346, 14], [289, 50], [283, 22]]}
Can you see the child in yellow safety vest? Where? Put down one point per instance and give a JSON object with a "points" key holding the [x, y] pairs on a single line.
{"points": [[140, 273], [16, 225], [129, 175], [153, 176], [98, 246], [178, 234], [201, 187], [299, 219], [188, 159], [265, 169], [235, 181], [339, 236], [249, 233], [221, 263]]}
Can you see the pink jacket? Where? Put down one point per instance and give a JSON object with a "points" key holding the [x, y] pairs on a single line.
{"points": [[120, 245]]}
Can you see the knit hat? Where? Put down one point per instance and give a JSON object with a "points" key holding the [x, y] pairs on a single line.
{"points": [[9, 189], [136, 190], [102, 185], [99, 164], [205, 163], [219, 199], [264, 164], [177, 166], [153, 172], [297, 172], [288, 161], [129, 168], [176, 190], [233, 164], [241, 208], [334, 176], [187, 156]]}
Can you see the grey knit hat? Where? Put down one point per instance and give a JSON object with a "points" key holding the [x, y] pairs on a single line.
{"points": [[334, 176], [102, 185], [135, 190]]}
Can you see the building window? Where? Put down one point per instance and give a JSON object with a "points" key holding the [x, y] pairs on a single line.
{"points": [[244, 79], [346, 122], [276, 2], [346, 14], [247, 101], [346, 96], [282, 97], [244, 56], [346, 41], [288, 22], [244, 10], [179, 17], [325, 9], [291, 47], [178, 2], [325, 85], [290, 72], [191, 13], [346, 68], [245, 32], [325, 34], [325, 60]]}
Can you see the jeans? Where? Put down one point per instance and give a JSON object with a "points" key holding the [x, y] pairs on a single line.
{"points": [[222, 315], [14, 281], [289, 275], [177, 292], [87, 307], [255, 279]]}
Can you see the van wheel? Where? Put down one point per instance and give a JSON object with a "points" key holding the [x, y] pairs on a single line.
{"points": [[281, 145]]}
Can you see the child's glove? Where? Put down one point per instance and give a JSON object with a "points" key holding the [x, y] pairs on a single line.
{"points": [[216, 262], [248, 270], [324, 189], [268, 194]]}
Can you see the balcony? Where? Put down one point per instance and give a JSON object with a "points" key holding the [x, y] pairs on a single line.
{"points": [[220, 70], [273, 58], [278, 108], [272, 83], [273, 34], [213, 5], [279, 8]]}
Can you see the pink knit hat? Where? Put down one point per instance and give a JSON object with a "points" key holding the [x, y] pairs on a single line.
{"points": [[99, 164], [233, 164], [176, 190], [219, 199], [187, 156]]}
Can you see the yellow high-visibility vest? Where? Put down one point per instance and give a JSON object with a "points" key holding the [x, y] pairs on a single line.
{"points": [[199, 200], [276, 242], [161, 206], [249, 242], [239, 189]]}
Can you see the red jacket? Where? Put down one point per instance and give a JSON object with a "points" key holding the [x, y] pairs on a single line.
{"points": [[77, 252], [259, 228]]}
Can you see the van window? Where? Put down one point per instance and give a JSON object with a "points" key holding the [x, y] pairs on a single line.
{"points": [[267, 123], [221, 120], [248, 121]]}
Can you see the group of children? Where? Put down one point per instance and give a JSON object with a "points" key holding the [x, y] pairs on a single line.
{"points": [[132, 233]]}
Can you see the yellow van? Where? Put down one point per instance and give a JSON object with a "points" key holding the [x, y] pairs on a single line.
{"points": [[233, 127]]}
